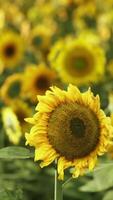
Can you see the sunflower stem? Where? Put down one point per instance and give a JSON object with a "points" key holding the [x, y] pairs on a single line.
{"points": [[58, 192], [66, 182]]}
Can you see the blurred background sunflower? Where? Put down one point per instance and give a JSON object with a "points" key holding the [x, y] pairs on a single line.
{"points": [[43, 44]]}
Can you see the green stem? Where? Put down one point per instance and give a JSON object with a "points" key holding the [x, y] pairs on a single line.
{"points": [[66, 182], [58, 193]]}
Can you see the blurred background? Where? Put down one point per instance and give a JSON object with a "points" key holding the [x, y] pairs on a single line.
{"points": [[45, 43]]}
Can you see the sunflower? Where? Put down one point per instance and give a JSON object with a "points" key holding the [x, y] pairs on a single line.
{"points": [[86, 10], [69, 127], [11, 48], [11, 89], [22, 110], [11, 125], [37, 79], [80, 62], [41, 37], [41, 12]]}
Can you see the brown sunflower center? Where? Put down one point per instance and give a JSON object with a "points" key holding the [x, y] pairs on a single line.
{"points": [[14, 89], [77, 127], [37, 40], [79, 62], [73, 130], [42, 83], [9, 50]]}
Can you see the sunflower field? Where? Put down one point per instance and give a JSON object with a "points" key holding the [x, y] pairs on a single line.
{"points": [[56, 100]]}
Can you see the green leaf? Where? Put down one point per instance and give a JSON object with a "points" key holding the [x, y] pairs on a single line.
{"points": [[15, 153], [108, 195], [11, 195], [102, 179]]}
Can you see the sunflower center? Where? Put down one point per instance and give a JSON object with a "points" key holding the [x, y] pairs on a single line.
{"points": [[77, 127], [42, 83], [9, 50], [80, 64], [75, 134], [14, 89], [37, 40]]}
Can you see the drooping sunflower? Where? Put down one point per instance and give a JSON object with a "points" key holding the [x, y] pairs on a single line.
{"points": [[11, 48], [37, 79], [80, 62], [11, 125], [11, 89], [22, 111], [69, 126]]}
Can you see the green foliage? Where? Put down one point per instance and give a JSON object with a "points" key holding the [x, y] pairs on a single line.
{"points": [[15, 153], [101, 179], [108, 195]]}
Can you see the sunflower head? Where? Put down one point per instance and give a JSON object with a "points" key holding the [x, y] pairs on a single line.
{"points": [[11, 48], [41, 37], [69, 126], [79, 62], [11, 89], [41, 78]]}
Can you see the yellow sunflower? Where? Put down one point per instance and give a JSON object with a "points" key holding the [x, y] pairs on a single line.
{"points": [[37, 79], [80, 62], [11, 125], [70, 127], [11, 89], [86, 9], [22, 111], [41, 12], [11, 48], [41, 37]]}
